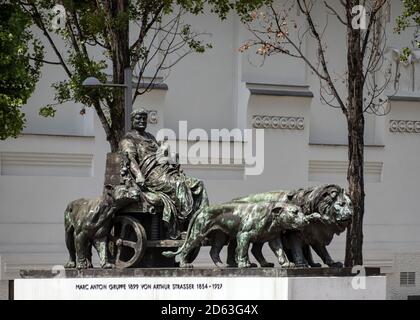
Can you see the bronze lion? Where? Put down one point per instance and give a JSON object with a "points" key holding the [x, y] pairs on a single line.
{"points": [[335, 208], [247, 223], [87, 222]]}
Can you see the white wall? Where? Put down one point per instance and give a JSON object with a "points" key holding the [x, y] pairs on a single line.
{"points": [[201, 86], [209, 91]]}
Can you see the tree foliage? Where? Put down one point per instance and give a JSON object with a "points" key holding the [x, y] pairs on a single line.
{"points": [[162, 39], [410, 19], [18, 73], [275, 30]]}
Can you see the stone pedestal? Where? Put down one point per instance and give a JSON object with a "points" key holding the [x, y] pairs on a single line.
{"points": [[4, 290], [201, 284]]}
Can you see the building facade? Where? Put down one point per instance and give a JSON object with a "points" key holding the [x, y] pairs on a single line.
{"points": [[58, 160]]}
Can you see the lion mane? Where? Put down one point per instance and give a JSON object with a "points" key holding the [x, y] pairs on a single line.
{"points": [[329, 200]]}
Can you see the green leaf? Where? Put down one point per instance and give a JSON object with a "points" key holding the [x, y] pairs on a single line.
{"points": [[47, 112], [18, 73]]}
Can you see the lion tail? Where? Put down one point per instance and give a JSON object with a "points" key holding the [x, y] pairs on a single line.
{"points": [[171, 254]]}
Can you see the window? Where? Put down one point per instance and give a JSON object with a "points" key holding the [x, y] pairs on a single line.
{"points": [[407, 279]]}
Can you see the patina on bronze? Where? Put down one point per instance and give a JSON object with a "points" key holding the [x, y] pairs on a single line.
{"points": [[147, 204], [328, 210], [151, 202], [87, 222], [162, 182], [247, 223], [336, 209]]}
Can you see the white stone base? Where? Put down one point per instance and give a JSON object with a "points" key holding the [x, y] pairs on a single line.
{"points": [[202, 288]]}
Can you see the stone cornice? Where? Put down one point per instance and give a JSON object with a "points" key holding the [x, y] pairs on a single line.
{"points": [[268, 89], [404, 97]]}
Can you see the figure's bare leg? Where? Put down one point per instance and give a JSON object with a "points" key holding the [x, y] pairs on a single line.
{"points": [[276, 246], [257, 253]]}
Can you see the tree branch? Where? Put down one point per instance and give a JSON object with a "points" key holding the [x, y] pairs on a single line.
{"points": [[335, 13], [97, 105], [44, 61], [145, 27], [321, 55], [37, 18]]}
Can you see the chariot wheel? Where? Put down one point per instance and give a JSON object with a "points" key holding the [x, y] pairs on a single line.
{"points": [[129, 241]]}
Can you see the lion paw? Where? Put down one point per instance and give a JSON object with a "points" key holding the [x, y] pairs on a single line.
{"points": [[218, 264], [246, 264], [70, 265], [186, 265], [288, 265], [82, 265], [108, 266]]}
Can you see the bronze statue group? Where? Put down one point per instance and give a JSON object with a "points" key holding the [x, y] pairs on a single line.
{"points": [[292, 221]]}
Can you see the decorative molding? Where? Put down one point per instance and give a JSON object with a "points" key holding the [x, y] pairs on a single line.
{"points": [[267, 89], [146, 82], [153, 86], [154, 83], [333, 171], [404, 97], [278, 122], [404, 126], [327, 144], [45, 164], [153, 116]]}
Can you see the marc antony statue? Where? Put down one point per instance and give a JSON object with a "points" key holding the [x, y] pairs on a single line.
{"points": [[291, 221], [160, 182]]}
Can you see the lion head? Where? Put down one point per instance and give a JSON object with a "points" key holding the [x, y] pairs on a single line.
{"points": [[290, 216], [342, 211], [332, 202]]}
